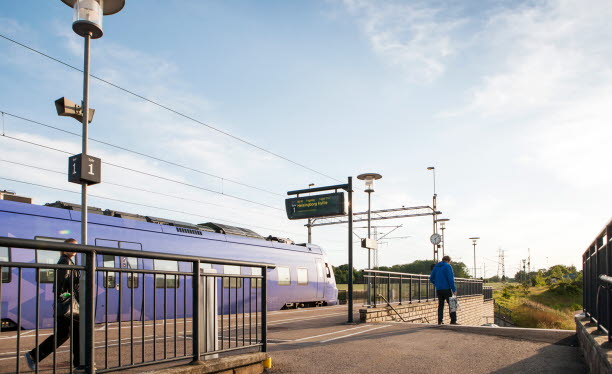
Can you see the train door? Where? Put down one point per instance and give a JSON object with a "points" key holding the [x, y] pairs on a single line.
{"points": [[131, 285], [321, 280]]}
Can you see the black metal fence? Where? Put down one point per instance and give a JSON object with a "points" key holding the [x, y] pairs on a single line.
{"points": [[597, 286], [139, 308], [503, 314], [487, 291], [403, 287]]}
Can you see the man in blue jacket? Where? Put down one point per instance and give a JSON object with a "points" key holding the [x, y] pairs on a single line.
{"points": [[443, 278]]}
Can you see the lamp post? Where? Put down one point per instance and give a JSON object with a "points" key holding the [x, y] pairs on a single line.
{"points": [[87, 22], [309, 225], [369, 179], [442, 222], [434, 240], [474, 239]]}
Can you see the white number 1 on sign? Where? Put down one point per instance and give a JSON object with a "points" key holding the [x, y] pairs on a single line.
{"points": [[91, 169]]}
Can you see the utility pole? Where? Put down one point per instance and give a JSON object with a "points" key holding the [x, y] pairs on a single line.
{"points": [[524, 272], [529, 259]]}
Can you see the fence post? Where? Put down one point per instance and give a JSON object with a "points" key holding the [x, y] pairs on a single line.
{"points": [[374, 291], [608, 288], [410, 289], [400, 290], [195, 319], [389, 288], [264, 309], [419, 288], [90, 302]]}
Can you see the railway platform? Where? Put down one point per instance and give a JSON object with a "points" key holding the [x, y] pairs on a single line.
{"points": [[319, 340]]}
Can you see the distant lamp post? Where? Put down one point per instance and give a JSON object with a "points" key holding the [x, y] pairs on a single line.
{"points": [[85, 169], [474, 240], [442, 222], [434, 238]]}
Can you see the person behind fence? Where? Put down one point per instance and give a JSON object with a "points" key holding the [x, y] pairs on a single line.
{"points": [[444, 280], [66, 304]]}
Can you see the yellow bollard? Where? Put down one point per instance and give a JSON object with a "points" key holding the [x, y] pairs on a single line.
{"points": [[268, 363]]}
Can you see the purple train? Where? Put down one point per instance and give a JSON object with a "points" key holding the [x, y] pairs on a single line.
{"points": [[302, 277]]}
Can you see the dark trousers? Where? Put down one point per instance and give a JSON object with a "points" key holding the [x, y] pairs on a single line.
{"points": [[444, 295], [63, 333]]}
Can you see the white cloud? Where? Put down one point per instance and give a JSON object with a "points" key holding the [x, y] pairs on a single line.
{"points": [[554, 83], [417, 38]]}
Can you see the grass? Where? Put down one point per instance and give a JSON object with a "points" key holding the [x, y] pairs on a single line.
{"points": [[356, 287], [539, 307]]}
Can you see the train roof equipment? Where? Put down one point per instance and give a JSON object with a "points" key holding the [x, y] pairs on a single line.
{"points": [[230, 230]]}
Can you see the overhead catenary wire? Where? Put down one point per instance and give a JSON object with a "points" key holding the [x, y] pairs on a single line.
{"points": [[223, 179], [148, 174], [128, 187], [172, 110], [146, 205]]}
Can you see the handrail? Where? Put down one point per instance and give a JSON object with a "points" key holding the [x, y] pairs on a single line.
{"points": [[391, 306], [605, 278], [399, 315], [414, 274]]}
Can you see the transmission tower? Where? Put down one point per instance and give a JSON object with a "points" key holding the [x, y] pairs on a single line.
{"points": [[529, 260], [501, 265]]}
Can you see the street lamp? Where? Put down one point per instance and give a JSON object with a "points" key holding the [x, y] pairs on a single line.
{"points": [[474, 239], [442, 227], [369, 179], [309, 224], [435, 239], [84, 169]]}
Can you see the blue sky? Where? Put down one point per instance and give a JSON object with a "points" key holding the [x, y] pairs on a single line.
{"points": [[509, 100]]}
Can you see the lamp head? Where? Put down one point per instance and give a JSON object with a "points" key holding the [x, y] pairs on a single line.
{"points": [[88, 15], [369, 179], [431, 168], [108, 6]]}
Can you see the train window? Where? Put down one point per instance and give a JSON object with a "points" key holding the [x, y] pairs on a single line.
{"points": [[167, 265], [5, 257], [255, 283], [108, 261], [232, 282], [302, 276], [284, 276], [131, 263], [47, 257], [327, 270]]}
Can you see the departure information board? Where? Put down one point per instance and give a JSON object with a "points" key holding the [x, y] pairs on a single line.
{"points": [[326, 205]]}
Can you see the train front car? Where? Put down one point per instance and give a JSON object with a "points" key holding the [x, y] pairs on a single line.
{"points": [[303, 276]]}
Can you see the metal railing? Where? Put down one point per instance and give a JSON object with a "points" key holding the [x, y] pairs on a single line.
{"points": [[405, 287], [487, 291], [597, 269], [129, 317], [502, 313]]}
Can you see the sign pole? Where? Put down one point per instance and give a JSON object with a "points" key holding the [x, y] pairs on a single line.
{"points": [[350, 250]]}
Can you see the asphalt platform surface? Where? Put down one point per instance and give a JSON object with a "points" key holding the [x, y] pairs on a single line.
{"points": [[319, 340]]}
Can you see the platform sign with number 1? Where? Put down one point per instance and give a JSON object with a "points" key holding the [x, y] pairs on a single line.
{"points": [[84, 169]]}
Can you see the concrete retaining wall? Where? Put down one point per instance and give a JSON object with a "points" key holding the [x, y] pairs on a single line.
{"points": [[474, 310], [594, 344], [249, 363]]}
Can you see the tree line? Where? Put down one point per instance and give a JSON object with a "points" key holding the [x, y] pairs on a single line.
{"points": [[416, 267]]}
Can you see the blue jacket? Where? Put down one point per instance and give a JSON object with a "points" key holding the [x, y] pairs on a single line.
{"points": [[442, 277]]}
